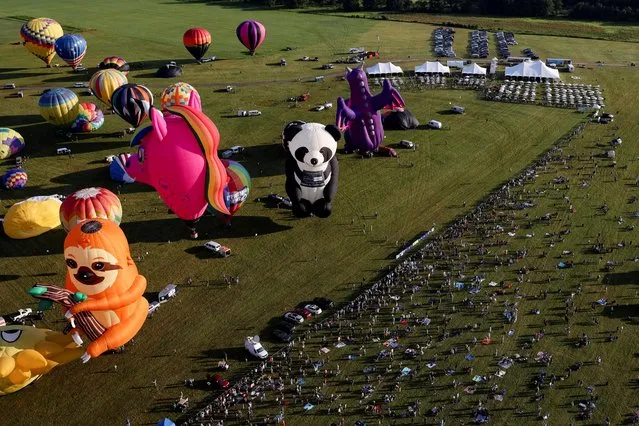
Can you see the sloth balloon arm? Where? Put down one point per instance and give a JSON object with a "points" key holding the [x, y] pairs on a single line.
{"points": [[115, 301], [388, 98], [344, 114]]}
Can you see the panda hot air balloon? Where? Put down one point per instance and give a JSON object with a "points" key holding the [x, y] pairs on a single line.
{"points": [[114, 62], [197, 42], [39, 36], [71, 48], [104, 82], [59, 106], [132, 102], [251, 34]]}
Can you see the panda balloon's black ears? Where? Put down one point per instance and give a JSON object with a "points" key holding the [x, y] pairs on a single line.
{"points": [[290, 130], [334, 131]]}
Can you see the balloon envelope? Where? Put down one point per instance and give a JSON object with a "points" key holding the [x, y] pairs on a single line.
{"points": [[180, 94], [89, 118], [251, 34], [114, 62], [238, 187], [14, 179], [11, 142], [197, 42], [117, 169], [104, 82], [39, 36], [32, 217], [71, 48], [90, 203], [59, 106], [132, 102]]}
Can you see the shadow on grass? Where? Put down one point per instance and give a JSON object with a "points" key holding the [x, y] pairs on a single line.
{"points": [[48, 243], [10, 74]]}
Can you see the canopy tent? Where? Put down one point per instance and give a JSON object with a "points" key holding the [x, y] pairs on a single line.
{"points": [[432, 68], [384, 68], [474, 69], [532, 69]]}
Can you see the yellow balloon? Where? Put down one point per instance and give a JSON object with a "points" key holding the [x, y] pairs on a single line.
{"points": [[39, 36], [104, 82], [32, 217], [22, 359]]}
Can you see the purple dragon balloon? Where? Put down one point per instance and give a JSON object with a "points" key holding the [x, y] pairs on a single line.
{"points": [[358, 117]]}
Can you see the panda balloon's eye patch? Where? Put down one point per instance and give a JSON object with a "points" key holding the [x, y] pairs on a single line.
{"points": [[327, 153], [300, 153]]}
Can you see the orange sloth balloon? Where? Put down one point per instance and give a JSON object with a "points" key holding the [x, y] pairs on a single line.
{"points": [[99, 265]]}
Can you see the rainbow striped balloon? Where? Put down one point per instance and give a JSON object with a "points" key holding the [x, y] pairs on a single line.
{"points": [[90, 203], [39, 37], [179, 94], [238, 187], [114, 62], [104, 82], [11, 142], [89, 118], [251, 34], [59, 106]]}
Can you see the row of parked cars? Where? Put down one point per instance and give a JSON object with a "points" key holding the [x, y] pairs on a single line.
{"points": [[443, 42], [479, 44], [305, 311], [529, 53], [503, 43]]}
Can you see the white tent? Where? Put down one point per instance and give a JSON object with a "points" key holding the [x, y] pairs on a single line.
{"points": [[432, 68], [533, 69], [474, 69], [384, 68]]}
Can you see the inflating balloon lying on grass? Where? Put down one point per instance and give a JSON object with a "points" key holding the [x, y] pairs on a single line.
{"points": [[103, 293], [61, 107], [359, 118], [27, 353], [177, 155]]}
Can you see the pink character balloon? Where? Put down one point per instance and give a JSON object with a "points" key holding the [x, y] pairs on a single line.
{"points": [[177, 156]]}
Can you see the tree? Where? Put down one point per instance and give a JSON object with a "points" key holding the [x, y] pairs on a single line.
{"points": [[351, 5]]}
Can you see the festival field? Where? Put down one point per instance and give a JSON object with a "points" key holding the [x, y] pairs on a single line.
{"points": [[381, 204]]}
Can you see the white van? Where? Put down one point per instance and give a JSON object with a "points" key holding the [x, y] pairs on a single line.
{"points": [[434, 124], [456, 109], [62, 151]]}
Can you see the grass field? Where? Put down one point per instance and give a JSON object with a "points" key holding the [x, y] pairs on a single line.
{"points": [[281, 261]]}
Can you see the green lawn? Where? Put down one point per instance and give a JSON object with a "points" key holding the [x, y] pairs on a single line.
{"points": [[281, 261]]}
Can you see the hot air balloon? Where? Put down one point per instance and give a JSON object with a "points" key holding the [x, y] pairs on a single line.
{"points": [[197, 42], [15, 179], [89, 118], [114, 62], [181, 94], [39, 37], [117, 169], [132, 102], [104, 82], [59, 106], [90, 203], [32, 217], [237, 189], [103, 291], [251, 34], [71, 48], [11, 142]]}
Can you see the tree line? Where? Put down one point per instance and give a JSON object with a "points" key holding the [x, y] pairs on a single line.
{"points": [[615, 10]]}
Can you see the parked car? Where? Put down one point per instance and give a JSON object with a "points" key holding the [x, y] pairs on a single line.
{"points": [[323, 303], [285, 201], [81, 84], [387, 151], [283, 335], [304, 312], [314, 309], [254, 113], [219, 381], [109, 159], [456, 109], [218, 248], [319, 78], [328, 66], [287, 326], [254, 347], [153, 306], [228, 153], [168, 292], [319, 108], [434, 124], [62, 151], [294, 317], [404, 143]]}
